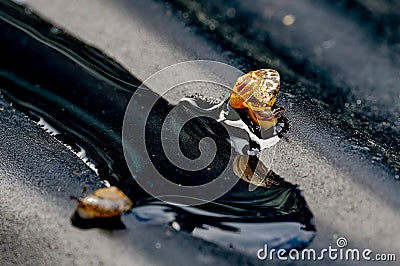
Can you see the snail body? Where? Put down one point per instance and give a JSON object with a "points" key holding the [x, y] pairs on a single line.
{"points": [[104, 203], [257, 92]]}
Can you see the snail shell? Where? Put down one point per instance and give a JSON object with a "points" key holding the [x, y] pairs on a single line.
{"points": [[104, 203], [252, 170], [257, 92]]}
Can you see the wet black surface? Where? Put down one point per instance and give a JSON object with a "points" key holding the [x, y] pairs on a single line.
{"points": [[82, 76]]}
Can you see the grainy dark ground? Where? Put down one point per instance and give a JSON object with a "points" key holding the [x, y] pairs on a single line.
{"points": [[340, 77]]}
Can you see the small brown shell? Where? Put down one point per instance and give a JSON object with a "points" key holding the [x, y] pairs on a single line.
{"points": [[252, 170], [256, 90], [104, 203]]}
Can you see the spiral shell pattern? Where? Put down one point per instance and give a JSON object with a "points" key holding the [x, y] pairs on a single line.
{"points": [[256, 90]]}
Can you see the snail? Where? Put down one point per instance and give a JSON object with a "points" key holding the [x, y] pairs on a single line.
{"points": [[107, 202], [257, 91]]}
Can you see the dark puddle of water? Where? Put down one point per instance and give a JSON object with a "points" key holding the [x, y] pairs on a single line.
{"points": [[80, 96]]}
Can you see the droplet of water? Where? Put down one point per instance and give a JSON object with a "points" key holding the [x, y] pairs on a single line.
{"points": [[328, 44], [55, 30], [288, 20], [28, 10], [176, 226], [231, 12]]}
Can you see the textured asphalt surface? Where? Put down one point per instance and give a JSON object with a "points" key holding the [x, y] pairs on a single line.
{"points": [[348, 194]]}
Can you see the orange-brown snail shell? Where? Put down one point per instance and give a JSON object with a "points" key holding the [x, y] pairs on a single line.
{"points": [[257, 92], [104, 203]]}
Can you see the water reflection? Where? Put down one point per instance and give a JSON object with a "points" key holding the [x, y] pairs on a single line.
{"points": [[260, 208]]}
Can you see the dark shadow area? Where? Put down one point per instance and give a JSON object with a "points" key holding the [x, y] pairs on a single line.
{"points": [[102, 223]]}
